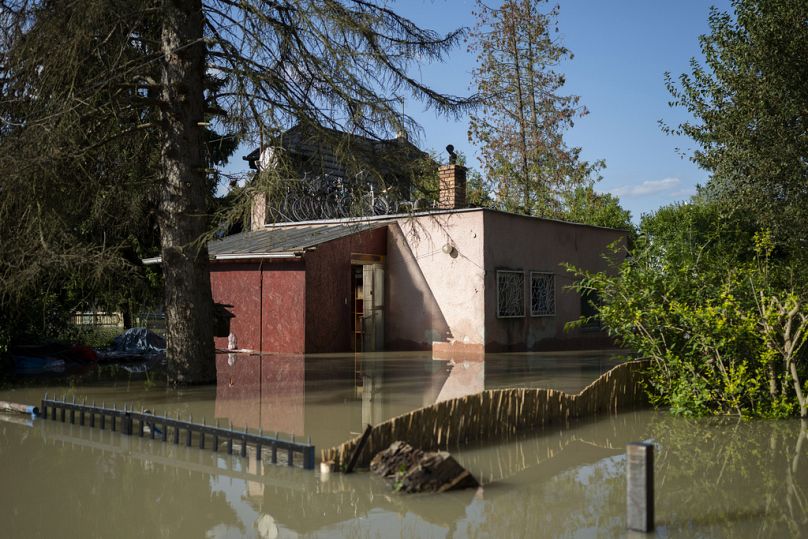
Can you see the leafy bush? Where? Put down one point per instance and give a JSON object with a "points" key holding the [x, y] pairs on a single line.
{"points": [[704, 298]]}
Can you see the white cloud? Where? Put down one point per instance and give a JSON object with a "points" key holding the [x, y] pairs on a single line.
{"points": [[648, 187]]}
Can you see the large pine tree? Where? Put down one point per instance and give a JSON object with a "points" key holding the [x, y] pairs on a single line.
{"points": [[340, 64]]}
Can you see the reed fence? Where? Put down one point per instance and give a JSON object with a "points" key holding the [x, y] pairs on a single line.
{"points": [[496, 414]]}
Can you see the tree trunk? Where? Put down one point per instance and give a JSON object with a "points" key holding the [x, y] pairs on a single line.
{"points": [[520, 106], [182, 211], [126, 313]]}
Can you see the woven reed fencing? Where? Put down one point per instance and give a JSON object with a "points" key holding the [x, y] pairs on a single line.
{"points": [[496, 414]]}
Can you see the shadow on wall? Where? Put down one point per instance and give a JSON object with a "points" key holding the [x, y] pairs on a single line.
{"points": [[414, 319]]}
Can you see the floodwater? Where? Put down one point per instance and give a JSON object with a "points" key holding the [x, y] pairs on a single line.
{"points": [[714, 477]]}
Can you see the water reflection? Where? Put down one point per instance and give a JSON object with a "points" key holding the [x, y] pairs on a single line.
{"points": [[262, 392], [332, 397], [714, 477], [464, 378]]}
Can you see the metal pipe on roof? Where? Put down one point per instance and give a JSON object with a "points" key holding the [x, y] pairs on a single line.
{"points": [[235, 256], [248, 256]]}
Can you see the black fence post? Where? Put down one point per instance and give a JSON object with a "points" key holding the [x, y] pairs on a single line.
{"points": [[308, 458], [126, 424]]}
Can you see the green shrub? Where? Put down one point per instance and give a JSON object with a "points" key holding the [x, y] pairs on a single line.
{"points": [[703, 298]]}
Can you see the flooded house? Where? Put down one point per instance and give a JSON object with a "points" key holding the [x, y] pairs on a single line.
{"points": [[453, 279]]}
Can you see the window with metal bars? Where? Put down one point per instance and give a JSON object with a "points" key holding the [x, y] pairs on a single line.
{"points": [[542, 294], [510, 294]]}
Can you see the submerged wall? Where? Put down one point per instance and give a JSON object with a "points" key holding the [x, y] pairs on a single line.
{"points": [[268, 303], [527, 244], [442, 281], [435, 295]]}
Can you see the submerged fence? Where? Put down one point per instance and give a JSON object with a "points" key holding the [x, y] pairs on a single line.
{"points": [[133, 423], [494, 415]]}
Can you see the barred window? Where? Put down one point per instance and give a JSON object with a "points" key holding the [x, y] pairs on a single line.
{"points": [[542, 294], [510, 294], [589, 310]]}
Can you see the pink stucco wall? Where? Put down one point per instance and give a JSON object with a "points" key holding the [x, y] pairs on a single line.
{"points": [[431, 295], [438, 297], [514, 242]]}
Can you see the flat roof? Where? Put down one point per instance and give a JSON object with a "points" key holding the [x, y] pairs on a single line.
{"points": [[292, 239], [397, 216]]}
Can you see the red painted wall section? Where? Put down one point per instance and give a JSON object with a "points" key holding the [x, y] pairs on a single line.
{"points": [[284, 307], [238, 285], [279, 308], [328, 289]]}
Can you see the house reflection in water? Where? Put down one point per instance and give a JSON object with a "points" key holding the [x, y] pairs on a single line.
{"points": [[262, 392], [465, 378], [332, 397]]}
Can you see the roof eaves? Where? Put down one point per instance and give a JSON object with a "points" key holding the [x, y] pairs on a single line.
{"points": [[235, 256]]}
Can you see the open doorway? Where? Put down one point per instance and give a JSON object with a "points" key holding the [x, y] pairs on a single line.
{"points": [[367, 284], [358, 307]]}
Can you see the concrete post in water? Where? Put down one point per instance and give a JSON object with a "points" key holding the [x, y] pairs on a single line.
{"points": [[640, 486]]}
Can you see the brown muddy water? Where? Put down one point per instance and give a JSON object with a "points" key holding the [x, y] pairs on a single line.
{"points": [[714, 477]]}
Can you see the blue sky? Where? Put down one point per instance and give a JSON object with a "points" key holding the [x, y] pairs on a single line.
{"points": [[622, 49]]}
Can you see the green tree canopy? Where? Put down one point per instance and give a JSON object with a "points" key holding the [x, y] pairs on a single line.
{"points": [[125, 78], [749, 101], [584, 205], [521, 123]]}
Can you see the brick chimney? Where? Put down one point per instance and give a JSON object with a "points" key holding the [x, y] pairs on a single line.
{"points": [[258, 211], [452, 186]]}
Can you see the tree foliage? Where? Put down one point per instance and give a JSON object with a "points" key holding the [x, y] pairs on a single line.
{"points": [[749, 101], [521, 123], [81, 165], [707, 301], [115, 97], [584, 205]]}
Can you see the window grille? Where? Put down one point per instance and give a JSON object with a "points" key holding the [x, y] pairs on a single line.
{"points": [[589, 303], [510, 294], [542, 294]]}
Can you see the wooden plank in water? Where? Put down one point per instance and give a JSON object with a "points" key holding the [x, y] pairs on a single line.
{"points": [[358, 449]]}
